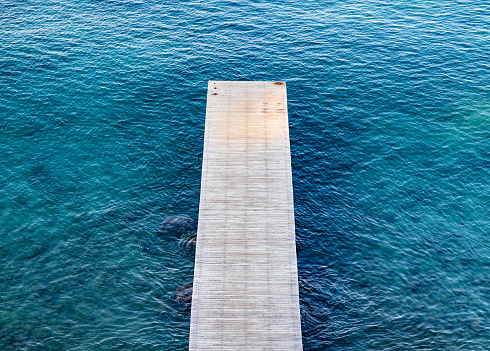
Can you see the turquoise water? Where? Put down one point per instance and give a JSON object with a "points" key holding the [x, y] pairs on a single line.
{"points": [[102, 107]]}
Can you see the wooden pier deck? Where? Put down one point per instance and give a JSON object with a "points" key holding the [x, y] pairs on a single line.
{"points": [[245, 280]]}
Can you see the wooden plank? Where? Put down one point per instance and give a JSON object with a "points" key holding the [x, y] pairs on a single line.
{"points": [[245, 279]]}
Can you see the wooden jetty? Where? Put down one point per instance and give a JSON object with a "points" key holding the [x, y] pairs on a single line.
{"points": [[245, 280]]}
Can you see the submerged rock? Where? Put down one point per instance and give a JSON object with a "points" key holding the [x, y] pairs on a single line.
{"points": [[184, 293], [177, 225], [188, 242]]}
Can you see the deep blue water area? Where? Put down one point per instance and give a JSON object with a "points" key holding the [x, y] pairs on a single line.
{"points": [[102, 107]]}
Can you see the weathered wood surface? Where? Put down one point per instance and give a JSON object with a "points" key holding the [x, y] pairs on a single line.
{"points": [[245, 280]]}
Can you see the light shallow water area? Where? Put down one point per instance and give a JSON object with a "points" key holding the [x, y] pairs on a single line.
{"points": [[102, 107]]}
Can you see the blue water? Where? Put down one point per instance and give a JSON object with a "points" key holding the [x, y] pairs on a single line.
{"points": [[102, 107]]}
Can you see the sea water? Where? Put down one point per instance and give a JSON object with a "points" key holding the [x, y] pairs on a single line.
{"points": [[102, 108]]}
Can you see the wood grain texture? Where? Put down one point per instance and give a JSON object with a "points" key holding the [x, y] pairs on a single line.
{"points": [[245, 280]]}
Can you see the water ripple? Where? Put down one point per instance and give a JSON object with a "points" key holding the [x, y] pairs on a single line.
{"points": [[101, 126]]}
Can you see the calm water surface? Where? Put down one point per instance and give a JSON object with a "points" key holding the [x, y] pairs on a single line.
{"points": [[102, 107]]}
